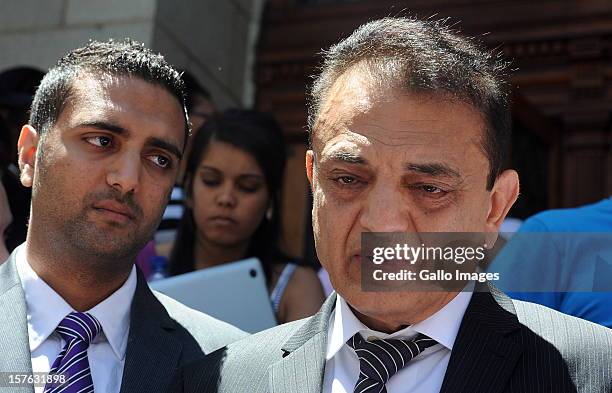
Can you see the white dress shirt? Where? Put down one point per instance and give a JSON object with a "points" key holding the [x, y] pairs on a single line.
{"points": [[46, 309], [423, 374]]}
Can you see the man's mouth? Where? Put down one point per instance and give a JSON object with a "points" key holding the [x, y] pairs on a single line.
{"points": [[115, 210]]}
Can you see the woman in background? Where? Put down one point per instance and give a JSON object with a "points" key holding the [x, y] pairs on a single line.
{"points": [[232, 186]]}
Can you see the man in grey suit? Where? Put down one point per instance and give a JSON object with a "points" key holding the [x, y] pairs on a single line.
{"points": [[409, 128], [101, 152]]}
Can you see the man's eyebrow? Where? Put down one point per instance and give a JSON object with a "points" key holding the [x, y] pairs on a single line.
{"points": [[433, 169], [348, 157], [105, 126], [165, 145]]}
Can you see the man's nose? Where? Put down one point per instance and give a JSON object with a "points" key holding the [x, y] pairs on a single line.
{"points": [[386, 210], [124, 173]]}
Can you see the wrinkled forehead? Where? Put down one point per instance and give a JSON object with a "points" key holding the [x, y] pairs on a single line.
{"points": [[401, 138], [358, 110]]}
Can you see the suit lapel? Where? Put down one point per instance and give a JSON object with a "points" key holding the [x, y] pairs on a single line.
{"points": [[484, 354], [486, 349], [153, 353], [14, 345], [303, 364]]}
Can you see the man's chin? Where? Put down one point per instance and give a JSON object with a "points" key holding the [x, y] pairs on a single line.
{"points": [[109, 243]]}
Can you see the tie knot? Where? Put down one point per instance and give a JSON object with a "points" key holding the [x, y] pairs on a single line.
{"points": [[79, 326], [380, 359]]}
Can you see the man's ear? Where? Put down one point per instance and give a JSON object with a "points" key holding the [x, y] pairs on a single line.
{"points": [[309, 165], [27, 146], [504, 194]]}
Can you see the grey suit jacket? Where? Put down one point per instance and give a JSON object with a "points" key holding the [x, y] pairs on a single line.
{"points": [[502, 346], [164, 335]]}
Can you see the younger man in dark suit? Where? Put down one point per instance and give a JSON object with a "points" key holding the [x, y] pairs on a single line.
{"points": [[101, 152]]}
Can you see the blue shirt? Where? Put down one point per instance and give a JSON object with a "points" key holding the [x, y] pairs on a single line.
{"points": [[568, 262]]}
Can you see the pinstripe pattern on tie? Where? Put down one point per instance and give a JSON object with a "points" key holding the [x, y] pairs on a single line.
{"points": [[78, 330], [379, 360]]}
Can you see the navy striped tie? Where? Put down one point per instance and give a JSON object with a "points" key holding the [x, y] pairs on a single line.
{"points": [[78, 330], [379, 360]]}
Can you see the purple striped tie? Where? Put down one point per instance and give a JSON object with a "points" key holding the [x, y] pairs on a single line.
{"points": [[78, 330]]}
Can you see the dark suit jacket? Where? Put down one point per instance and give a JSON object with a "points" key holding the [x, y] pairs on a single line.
{"points": [[164, 335], [502, 346]]}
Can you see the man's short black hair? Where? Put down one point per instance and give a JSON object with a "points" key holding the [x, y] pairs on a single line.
{"points": [[116, 58], [425, 57]]}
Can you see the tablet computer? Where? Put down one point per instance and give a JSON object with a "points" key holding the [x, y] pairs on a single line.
{"points": [[234, 292]]}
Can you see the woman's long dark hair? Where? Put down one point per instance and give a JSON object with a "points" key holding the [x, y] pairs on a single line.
{"points": [[260, 135]]}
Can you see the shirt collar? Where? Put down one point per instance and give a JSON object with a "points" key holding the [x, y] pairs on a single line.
{"points": [[114, 315], [442, 326], [46, 308]]}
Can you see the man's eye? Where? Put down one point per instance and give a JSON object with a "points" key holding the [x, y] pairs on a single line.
{"points": [[431, 189], [346, 180], [161, 161], [100, 141]]}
